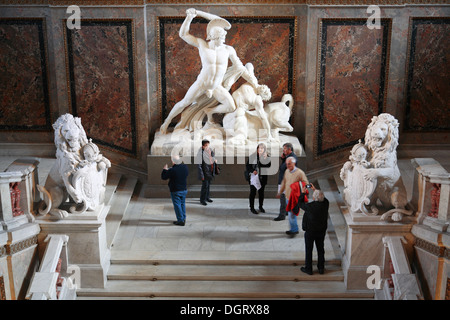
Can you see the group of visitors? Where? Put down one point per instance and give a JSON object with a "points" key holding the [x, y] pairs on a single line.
{"points": [[293, 193]]}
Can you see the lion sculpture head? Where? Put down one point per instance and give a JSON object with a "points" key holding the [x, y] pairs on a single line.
{"points": [[69, 133], [382, 138]]}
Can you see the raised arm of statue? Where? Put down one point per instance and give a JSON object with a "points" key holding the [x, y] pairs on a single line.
{"points": [[184, 30], [206, 15]]}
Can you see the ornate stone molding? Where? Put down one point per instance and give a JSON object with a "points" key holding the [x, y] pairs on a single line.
{"points": [[432, 248], [21, 245], [446, 254], [2, 251], [75, 2]]}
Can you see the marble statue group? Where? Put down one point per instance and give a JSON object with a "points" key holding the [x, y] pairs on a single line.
{"points": [[246, 118], [372, 180]]}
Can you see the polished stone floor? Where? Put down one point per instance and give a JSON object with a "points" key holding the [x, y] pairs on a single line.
{"points": [[225, 226]]}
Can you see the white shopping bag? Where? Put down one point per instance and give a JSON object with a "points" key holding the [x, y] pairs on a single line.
{"points": [[254, 181]]}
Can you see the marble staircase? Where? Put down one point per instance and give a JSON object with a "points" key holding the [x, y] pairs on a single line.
{"points": [[119, 191], [206, 275], [142, 273]]}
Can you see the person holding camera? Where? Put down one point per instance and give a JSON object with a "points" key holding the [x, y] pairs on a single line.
{"points": [[314, 223], [257, 177], [177, 176]]}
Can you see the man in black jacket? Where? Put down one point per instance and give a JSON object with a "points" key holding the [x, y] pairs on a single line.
{"points": [[177, 176], [206, 170], [314, 223]]}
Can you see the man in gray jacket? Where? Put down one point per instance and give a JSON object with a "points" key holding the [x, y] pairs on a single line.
{"points": [[288, 151]]}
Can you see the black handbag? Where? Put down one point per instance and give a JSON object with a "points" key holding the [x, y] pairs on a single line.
{"points": [[246, 175], [216, 169]]}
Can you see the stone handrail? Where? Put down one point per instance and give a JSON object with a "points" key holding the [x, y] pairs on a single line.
{"points": [[405, 283], [48, 283]]}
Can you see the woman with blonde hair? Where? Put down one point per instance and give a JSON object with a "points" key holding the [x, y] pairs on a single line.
{"points": [[256, 167]]}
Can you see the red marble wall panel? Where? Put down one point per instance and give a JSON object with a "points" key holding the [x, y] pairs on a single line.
{"points": [[268, 43], [101, 74], [353, 60], [428, 84], [24, 96]]}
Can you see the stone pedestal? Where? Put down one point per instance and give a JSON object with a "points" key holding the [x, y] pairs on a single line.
{"points": [[87, 248], [29, 196], [19, 232], [187, 144], [231, 159], [432, 244], [365, 247]]}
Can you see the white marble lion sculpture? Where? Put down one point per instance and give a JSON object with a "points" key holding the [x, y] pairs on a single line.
{"points": [[379, 177], [79, 172]]}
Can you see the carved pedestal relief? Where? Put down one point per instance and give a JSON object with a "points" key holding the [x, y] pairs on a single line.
{"points": [[435, 197], [2, 289]]}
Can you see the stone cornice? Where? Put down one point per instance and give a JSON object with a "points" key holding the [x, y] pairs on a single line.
{"points": [[229, 2]]}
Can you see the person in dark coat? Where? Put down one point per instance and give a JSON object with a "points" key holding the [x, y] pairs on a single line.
{"points": [[288, 151], [206, 170], [314, 223], [255, 165], [177, 176]]}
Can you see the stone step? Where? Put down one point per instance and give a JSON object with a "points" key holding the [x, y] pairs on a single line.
{"points": [[111, 186], [224, 289], [330, 188], [220, 273], [211, 258], [339, 185], [213, 299], [119, 203]]}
